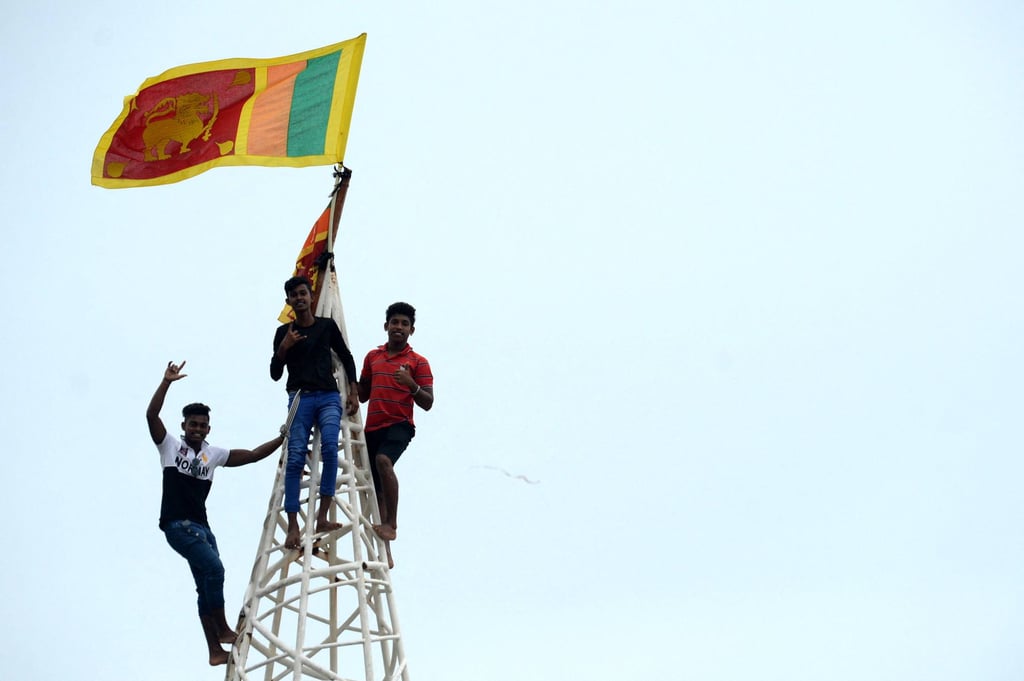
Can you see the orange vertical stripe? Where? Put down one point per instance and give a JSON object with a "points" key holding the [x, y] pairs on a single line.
{"points": [[268, 127]]}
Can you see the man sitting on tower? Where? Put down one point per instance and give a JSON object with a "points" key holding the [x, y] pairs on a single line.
{"points": [[188, 464], [304, 346]]}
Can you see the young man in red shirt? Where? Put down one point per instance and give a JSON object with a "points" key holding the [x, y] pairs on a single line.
{"points": [[393, 380]]}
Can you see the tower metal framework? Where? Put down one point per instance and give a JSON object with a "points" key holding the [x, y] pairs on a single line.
{"points": [[326, 611]]}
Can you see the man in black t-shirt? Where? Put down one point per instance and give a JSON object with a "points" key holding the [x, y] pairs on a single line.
{"points": [[304, 346]]}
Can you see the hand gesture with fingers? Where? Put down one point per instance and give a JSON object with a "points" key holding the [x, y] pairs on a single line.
{"points": [[173, 371], [291, 338], [403, 376]]}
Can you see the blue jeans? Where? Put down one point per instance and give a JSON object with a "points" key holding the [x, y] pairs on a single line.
{"points": [[324, 407], [198, 546]]}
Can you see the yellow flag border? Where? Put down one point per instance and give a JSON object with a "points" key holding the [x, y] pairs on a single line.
{"points": [[342, 104]]}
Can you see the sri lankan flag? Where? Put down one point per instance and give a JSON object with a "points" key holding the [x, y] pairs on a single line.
{"points": [[310, 263], [314, 259], [289, 111]]}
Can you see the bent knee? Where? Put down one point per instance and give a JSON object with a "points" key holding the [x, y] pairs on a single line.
{"points": [[212, 571], [295, 464]]}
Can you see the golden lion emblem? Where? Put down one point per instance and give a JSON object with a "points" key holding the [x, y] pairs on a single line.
{"points": [[178, 119]]}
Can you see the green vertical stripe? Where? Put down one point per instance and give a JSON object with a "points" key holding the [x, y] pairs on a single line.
{"points": [[311, 106]]}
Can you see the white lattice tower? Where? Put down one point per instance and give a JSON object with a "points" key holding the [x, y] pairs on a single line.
{"points": [[327, 611]]}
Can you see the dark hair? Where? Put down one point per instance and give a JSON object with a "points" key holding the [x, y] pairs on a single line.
{"points": [[296, 282], [195, 409], [401, 308]]}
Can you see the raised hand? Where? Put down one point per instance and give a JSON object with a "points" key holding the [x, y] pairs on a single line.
{"points": [[173, 371]]}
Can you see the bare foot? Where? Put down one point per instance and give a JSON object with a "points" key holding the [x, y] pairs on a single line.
{"points": [[218, 657], [386, 532], [325, 526], [292, 541], [227, 636]]}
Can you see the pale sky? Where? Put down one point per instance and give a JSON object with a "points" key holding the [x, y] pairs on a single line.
{"points": [[737, 282]]}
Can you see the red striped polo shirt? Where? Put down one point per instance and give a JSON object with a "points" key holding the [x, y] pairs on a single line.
{"points": [[390, 401]]}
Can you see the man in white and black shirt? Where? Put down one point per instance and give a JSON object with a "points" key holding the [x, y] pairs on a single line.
{"points": [[188, 464]]}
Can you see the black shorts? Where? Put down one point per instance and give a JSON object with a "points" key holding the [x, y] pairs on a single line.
{"points": [[390, 441]]}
